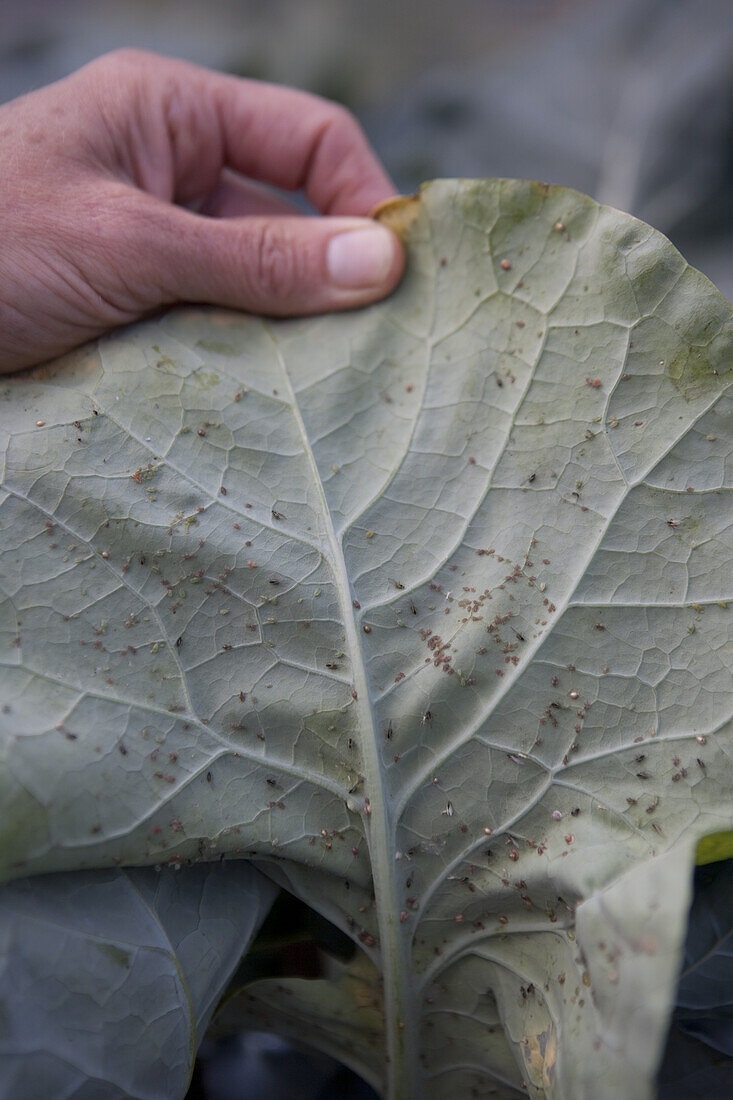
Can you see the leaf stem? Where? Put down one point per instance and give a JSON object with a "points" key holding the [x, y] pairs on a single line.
{"points": [[400, 1020]]}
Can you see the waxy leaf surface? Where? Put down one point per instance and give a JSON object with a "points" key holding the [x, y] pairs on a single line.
{"points": [[108, 979], [422, 607]]}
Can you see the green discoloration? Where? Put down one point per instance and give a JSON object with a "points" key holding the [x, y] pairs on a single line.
{"points": [[219, 347], [20, 825], [207, 379], [692, 374], [115, 954]]}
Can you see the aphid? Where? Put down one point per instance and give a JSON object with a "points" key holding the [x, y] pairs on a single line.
{"points": [[673, 523], [277, 515]]}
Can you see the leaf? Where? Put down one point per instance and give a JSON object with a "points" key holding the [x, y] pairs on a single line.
{"points": [[108, 979], [471, 700], [693, 1071], [697, 1060], [705, 990], [341, 1016]]}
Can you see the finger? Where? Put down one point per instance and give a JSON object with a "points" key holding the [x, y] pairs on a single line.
{"points": [[236, 197], [299, 141], [190, 122], [283, 266]]}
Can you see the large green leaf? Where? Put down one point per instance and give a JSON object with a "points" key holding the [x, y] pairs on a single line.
{"points": [[108, 979], [423, 607]]}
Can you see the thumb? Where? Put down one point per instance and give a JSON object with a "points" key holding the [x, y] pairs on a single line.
{"points": [[281, 265]]}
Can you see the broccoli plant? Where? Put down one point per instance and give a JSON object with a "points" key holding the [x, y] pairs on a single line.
{"points": [[419, 613]]}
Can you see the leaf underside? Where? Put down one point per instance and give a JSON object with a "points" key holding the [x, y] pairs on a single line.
{"points": [[423, 608]]}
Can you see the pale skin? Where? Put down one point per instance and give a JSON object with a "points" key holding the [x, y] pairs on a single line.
{"points": [[137, 182]]}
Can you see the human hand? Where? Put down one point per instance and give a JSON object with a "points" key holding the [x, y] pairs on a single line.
{"points": [[137, 182]]}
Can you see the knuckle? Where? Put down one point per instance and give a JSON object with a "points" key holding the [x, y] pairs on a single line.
{"points": [[340, 120], [127, 57], [120, 68], [275, 268]]}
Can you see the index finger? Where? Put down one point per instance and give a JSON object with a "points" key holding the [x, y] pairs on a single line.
{"points": [[297, 140], [193, 122]]}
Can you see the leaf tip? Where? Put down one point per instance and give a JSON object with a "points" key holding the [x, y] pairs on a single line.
{"points": [[398, 214]]}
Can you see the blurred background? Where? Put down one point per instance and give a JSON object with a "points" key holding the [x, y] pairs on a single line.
{"points": [[630, 101]]}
